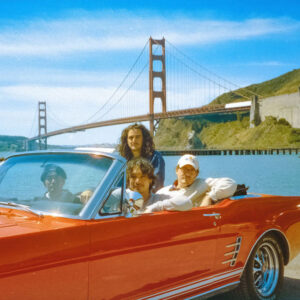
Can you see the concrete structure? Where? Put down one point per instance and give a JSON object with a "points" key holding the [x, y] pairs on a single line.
{"points": [[284, 106]]}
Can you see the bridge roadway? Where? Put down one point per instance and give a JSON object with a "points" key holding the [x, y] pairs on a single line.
{"points": [[156, 116]]}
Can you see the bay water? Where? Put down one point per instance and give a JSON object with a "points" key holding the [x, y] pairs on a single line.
{"points": [[266, 174]]}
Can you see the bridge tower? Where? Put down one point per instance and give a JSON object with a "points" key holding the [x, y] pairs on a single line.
{"points": [[161, 74], [42, 125]]}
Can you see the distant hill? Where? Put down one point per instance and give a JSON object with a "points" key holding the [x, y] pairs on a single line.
{"points": [[12, 143], [285, 84]]}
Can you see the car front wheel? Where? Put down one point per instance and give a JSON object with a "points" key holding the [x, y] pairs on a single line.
{"points": [[263, 276]]}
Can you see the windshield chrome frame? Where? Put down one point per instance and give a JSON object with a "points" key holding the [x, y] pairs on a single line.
{"points": [[90, 211]]}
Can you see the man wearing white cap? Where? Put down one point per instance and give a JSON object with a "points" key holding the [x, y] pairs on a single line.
{"points": [[188, 190]]}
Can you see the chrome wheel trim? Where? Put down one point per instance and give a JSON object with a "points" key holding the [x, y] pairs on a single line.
{"points": [[266, 269]]}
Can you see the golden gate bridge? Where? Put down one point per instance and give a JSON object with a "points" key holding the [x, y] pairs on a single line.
{"points": [[185, 90]]}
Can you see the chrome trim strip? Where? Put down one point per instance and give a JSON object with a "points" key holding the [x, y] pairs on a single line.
{"points": [[232, 245], [234, 253], [229, 261], [212, 215], [113, 155], [192, 285], [232, 285], [115, 182], [91, 209], [229, 253]]}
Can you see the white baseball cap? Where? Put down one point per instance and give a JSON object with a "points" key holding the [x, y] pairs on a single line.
{"points": [[188, 159]]}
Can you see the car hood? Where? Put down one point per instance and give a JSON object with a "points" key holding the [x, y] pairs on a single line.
{"points": [[17, 222], [6, 222]]}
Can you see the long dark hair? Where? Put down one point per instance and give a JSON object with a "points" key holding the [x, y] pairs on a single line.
{"points": [[147, 147]]}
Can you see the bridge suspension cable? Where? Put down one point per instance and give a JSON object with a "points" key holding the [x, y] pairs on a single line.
{"points": [[34, 122], [129, 88], [121, 98], [207, 78], [55, 118], [214, 74], [119, 86]]}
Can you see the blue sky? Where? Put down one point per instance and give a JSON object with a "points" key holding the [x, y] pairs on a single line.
{"points": [[73, 54]]}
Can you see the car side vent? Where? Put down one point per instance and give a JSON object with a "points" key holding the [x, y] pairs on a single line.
{"points": [[233, 254]]}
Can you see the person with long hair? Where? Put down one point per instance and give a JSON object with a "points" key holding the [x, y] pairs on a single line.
{"points": [[136, 141]]}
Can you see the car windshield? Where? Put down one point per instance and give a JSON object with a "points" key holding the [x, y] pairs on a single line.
{"points": [[51, 183]]}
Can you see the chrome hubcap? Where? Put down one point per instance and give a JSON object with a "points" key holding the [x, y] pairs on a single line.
{"points": [[266, 269]]}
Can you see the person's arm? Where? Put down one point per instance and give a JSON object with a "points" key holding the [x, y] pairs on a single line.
{"points": [[85, 196], [206, 201], [220, 188], [178, 203]]}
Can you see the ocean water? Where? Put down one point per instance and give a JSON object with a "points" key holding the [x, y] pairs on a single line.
{"points": [[266, 174]]}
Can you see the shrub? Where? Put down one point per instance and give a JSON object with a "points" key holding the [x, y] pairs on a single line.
{"points": [[294, 136], [283, 121]]}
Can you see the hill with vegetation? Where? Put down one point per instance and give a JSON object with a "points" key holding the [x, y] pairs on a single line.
{"points": [[17, 144], [191, 134], [285, 84], [12, 143], [202, 132]]}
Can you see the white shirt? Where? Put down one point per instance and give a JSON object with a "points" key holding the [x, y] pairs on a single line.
{"points": [[174, 199], [220, 188]]}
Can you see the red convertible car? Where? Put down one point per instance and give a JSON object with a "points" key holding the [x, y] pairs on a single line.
{"points": [[54, 245]]}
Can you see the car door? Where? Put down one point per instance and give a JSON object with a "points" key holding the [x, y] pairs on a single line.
{"points": [[236, 231], [154, 254]]}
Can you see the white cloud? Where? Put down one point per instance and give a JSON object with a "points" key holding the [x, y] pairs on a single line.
{"points": [[121, 31], [266, 64]]}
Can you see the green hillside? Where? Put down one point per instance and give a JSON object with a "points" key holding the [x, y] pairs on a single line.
{"points": [[285, 84], [12, 143], [220, 133], [181, 134]]}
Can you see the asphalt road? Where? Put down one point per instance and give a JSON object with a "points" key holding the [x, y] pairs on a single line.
{"points": [[291, 284]]}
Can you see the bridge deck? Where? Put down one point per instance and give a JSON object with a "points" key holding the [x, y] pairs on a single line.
{"points": [[156, 116]]}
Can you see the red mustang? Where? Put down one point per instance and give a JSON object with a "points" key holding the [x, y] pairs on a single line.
{"points": [[54, 245]]}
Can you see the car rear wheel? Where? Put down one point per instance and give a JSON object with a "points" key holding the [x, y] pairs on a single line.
{"points": [[263, 276]]}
